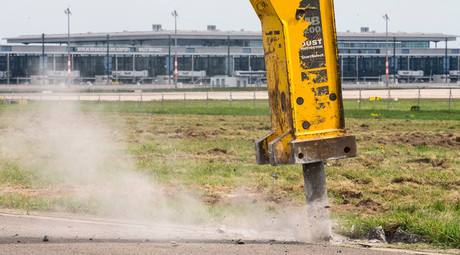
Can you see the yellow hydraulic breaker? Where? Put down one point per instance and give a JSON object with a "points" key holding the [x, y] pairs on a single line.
{"points": [[303, 83], [305, 96]]}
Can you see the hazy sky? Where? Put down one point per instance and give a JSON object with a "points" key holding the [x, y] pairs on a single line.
{"points": [[24, 17]]}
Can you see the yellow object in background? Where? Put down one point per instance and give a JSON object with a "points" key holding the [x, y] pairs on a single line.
{"points": [[22, 101], [375, 98]]}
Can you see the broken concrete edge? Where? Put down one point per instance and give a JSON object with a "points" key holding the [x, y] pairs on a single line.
{"points": [[378, 234]]}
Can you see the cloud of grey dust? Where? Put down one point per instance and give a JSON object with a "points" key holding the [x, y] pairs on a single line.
{"points": [[84, 158]]}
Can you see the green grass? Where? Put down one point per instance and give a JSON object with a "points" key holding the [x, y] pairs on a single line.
{"points": [[12, 174], [437, 222], [401, 109], [25, 202], [30, 203], [176, 146]]}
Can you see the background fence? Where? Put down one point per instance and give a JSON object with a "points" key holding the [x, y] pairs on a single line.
{"points": [[399, 99]]}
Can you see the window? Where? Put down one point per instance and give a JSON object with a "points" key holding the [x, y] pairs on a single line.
{"points": [[416, 44], [405, 51], [256, 44], [247, 50], [6, 48], [190, 50]]}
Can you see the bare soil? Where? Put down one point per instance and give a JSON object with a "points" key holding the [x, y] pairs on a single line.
{"points": [[423, 139]]}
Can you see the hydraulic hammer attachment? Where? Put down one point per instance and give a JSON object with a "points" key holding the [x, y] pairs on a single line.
{"points": [[304, 88]]}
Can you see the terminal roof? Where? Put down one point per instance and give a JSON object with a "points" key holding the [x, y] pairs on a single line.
{"points": [[218, 35]]}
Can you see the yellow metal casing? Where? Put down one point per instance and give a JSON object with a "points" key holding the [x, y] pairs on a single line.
{"points": [[304, 88]]}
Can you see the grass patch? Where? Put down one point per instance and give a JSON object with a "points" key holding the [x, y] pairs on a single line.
{"points": [[430, 110], [25, 202], [12, 174], [437, 222]]}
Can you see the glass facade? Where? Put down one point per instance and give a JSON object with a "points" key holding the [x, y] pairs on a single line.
{"points": [[353, 67], [213, 65], [241, 63], [3, 63], [89, 65], [359, 60], [257, 63], [371, 66], [23, 65], [154, 64]]}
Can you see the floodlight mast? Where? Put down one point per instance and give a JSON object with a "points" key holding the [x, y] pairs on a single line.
{"points": [[43, 59], [69, 71], [386, 50], [386, 18]]}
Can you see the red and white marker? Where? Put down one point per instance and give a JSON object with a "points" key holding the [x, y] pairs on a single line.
{"points": [[175, 67], [68, 67], [387, 69]]}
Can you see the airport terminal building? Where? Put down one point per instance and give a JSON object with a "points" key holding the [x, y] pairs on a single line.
{"points": [[212, 56]]}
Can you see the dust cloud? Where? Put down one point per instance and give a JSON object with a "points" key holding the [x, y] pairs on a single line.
{"points": [[85, 160]]}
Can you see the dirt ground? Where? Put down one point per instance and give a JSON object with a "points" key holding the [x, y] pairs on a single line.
{"points": [[212, 157]]}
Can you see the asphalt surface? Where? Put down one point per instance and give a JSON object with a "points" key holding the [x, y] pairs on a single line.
{"points": [[182, 248], [26, 234]]}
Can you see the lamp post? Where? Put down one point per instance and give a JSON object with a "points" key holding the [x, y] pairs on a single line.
{"points": [[43, 59], [386, 61], [108, 59], [386, 50], [175, 15], [68, 13], [447, 64]]}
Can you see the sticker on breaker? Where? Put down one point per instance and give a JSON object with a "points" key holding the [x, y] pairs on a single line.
{"points": [[312, 53]]}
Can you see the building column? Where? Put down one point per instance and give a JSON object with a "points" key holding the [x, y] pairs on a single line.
{"points": [[229, 60], [193, 67], [168, 62], [54, 62], [341, 69], [394, 60], [357, 69], [134, 67], [447, 64], [249, 63], [8, 68], [134, 62]]}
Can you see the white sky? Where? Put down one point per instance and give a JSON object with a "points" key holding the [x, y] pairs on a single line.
{"points": [[26, 17]]}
